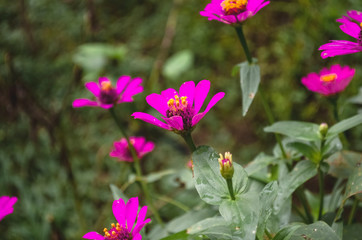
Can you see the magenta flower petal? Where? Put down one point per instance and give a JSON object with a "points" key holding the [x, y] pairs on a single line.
{"points": [[179, 109], [93, 88], [131, 211], [341, 47], [107, 96], [150, 119], [158, 102], [84, 103], [122, 83], [7, 205], [121, 150], [175, 122], [118, 208], [212, 102], [329, 81], [93, 235], [232, 11], [201, 91], [188, 89], [125, 214]]}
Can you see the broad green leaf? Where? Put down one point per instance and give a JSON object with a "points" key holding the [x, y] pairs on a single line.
{"points": [[286, 232], [344, 125], [343, 164], [188, 219], [331, 146], [260, 162], [177, 236], [242, 213], [152, 177], [354, 184], [352, 232], [308, 150], [178, 63], [338, 229], [209, 183], [318, 230], [266, 199], [214, 228], [301, 173], [282, 218], [117, 193], [249, 81], [297, 130]]}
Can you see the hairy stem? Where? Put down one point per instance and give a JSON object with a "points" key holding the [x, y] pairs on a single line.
{"points": [[229, 181]]}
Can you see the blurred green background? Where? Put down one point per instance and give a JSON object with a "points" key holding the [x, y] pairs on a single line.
{"points": [[55, 158]]}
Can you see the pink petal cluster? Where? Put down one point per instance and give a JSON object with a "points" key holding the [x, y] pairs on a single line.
{"points": [[329, 81], [351, 25], [125, 228], [121, 150], [107, 96], [180, 110], [6, 205], [232, 11]]}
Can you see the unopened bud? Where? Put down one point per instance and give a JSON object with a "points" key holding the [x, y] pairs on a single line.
{"points": [[226, 165], [323, 129]]}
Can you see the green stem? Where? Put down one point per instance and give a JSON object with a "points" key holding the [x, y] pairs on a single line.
{"points": [[271, 120], [137, 167], [301, 196], [229, 181], [334, 101], [321, 192], [353, 211], [188, 139], [268, 234], [239, 31]]}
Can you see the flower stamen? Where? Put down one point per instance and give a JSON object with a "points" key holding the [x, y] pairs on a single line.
{"points": [[328, 77], [106, 86], [233, 7]]}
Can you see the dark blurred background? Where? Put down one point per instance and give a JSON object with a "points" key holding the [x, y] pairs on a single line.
{"points": [[55, 158]]}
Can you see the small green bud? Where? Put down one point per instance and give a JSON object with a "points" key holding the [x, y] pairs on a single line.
{"points": [[323, 129], [226, 165]]}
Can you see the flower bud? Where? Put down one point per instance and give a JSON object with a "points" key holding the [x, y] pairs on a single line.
{"points": [[226, 165], [323, 129]]}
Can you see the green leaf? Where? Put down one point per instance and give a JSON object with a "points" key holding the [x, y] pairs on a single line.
{"points": [[354, 184], [177, 236], [214, 228], [178, 63], [117, 193], [308, 150], [249, 81], [301, 173], [260, 162], [267, 197], [188, 219], [242, 213], [344, 125], [286, 232], [318, 230], [155, 176], [343, 164], [209, 183], [297, 130]]}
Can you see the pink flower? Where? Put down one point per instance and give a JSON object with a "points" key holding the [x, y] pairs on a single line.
{"points": [[107, 95], [125, 215], [121, 151], [232, 11], [6, 205], [329, 81], [342, 47], [180, 110]]}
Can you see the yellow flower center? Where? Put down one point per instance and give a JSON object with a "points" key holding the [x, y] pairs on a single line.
{"points": [[106, 86], [233, 7], [328, 77], [360, 24], [175, 104], [116, 232]]}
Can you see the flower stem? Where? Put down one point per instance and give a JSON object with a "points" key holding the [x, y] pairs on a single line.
{"points": [[229, 181], [353, 211], [321, 192], [239, 31], [334, 101], [137, 167], [188, 139], [271, 120]]}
